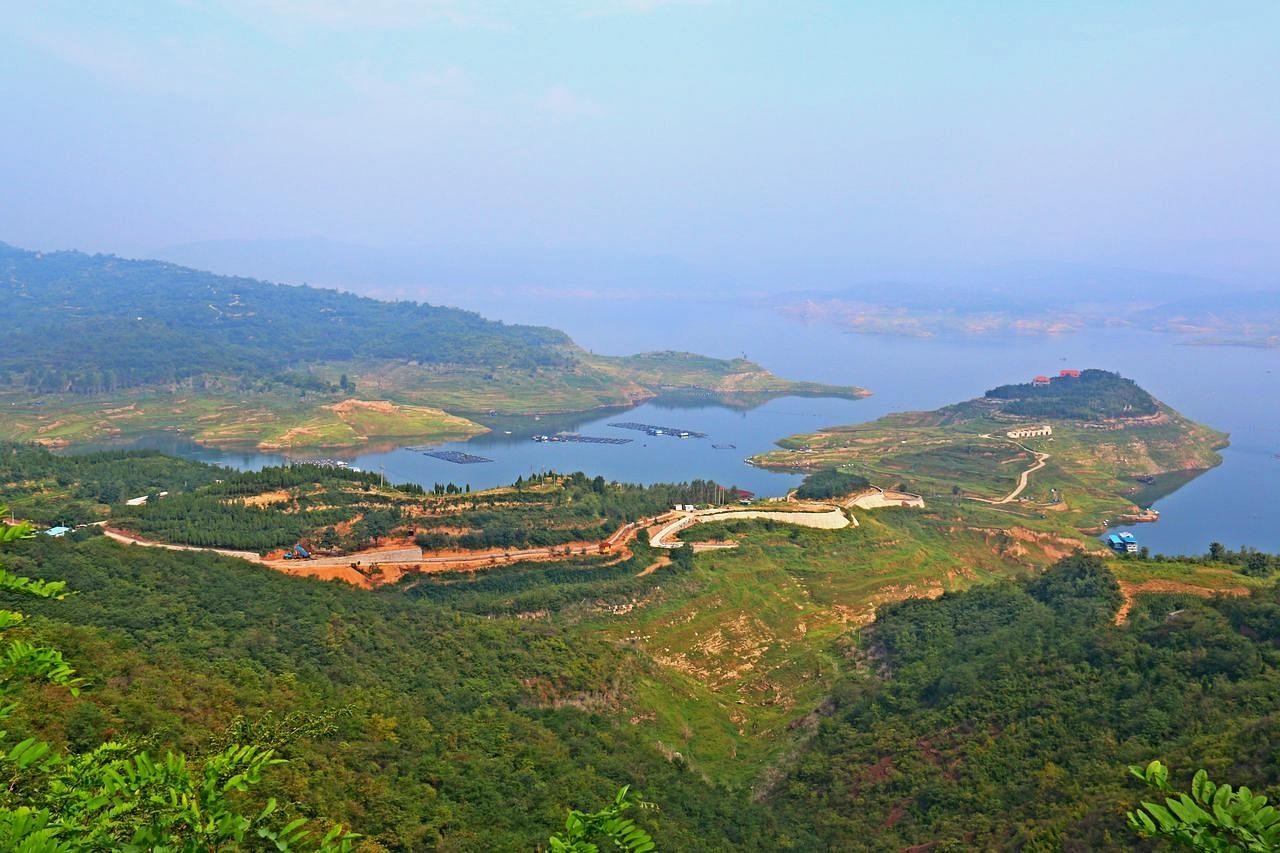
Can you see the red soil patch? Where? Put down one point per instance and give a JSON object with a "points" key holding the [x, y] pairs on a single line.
{"points": [[1130, 591]]}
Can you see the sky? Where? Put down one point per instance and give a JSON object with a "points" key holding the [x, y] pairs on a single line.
{"points": [[772, 138]]}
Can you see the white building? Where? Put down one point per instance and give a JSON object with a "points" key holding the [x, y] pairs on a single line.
{"points": [[1030, 431]]}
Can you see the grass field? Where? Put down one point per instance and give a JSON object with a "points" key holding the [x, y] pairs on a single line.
{"points": [[592, 382], [744, 650]]}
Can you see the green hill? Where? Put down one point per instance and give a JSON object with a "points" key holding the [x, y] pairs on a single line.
{"points": [[1111, 448], [93, 323], [1002, 718], [766, 696], [100, 346], [1093, 395]]}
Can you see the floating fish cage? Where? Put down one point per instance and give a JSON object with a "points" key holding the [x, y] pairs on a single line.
{"points": [[456, 456], [581, 439], [656, 429]]}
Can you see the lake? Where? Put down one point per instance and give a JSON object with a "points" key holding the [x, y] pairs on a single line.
{"points": [[1229, 388]]}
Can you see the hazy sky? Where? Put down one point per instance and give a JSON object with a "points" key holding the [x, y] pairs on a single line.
{"points": [[883, 137]]}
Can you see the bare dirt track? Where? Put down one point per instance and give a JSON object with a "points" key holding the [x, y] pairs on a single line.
{"points": [[1023, 479], [131, 539], [878, 498], [378, 566]]}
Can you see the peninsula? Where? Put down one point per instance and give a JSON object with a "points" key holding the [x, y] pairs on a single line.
{"points": [[1075, 452], [106, 348]]}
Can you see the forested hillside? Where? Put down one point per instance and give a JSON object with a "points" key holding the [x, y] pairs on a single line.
{"points": [[48, 488], [1094, 394], [456, 731], [473, 708], [98, 323], [1003, 717]]}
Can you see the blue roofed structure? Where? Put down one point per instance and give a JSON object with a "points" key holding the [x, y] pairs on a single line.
{"points": [[1124, 543]]}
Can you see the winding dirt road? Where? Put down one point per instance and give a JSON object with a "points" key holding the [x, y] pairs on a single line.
{"points": [[1023, 479], [377, 566]]}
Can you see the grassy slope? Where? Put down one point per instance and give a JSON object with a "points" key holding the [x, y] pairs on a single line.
{"points": [[591, 382], [753, 640], [744, 648], [268, 420]]}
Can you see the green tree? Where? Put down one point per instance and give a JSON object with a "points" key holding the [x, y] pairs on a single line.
{"points": [[114, 797], [1209, 817], [584, 832], [682, 557], [1257, 564]]}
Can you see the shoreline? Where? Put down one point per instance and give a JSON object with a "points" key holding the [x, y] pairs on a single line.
{"points": [[122, 438]]}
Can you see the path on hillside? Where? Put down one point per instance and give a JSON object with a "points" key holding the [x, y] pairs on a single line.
{"points": [[357, 567], [1023, 479], [878, 498], [131, 539], [352, 567]]}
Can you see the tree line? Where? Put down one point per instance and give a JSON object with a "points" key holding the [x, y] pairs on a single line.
{"points": [[1092, 395]]}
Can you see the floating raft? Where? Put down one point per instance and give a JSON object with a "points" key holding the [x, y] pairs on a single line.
{"points": [[456, 456], [581, 439], [656, 429]]}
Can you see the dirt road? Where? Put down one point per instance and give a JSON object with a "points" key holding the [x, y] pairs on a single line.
{"points": [[878, 498], [394, 562], [130, 539], [1023, 479], [832, 518]]}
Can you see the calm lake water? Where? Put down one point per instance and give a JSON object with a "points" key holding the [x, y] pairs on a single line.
{"points": [[1232, 389]]}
